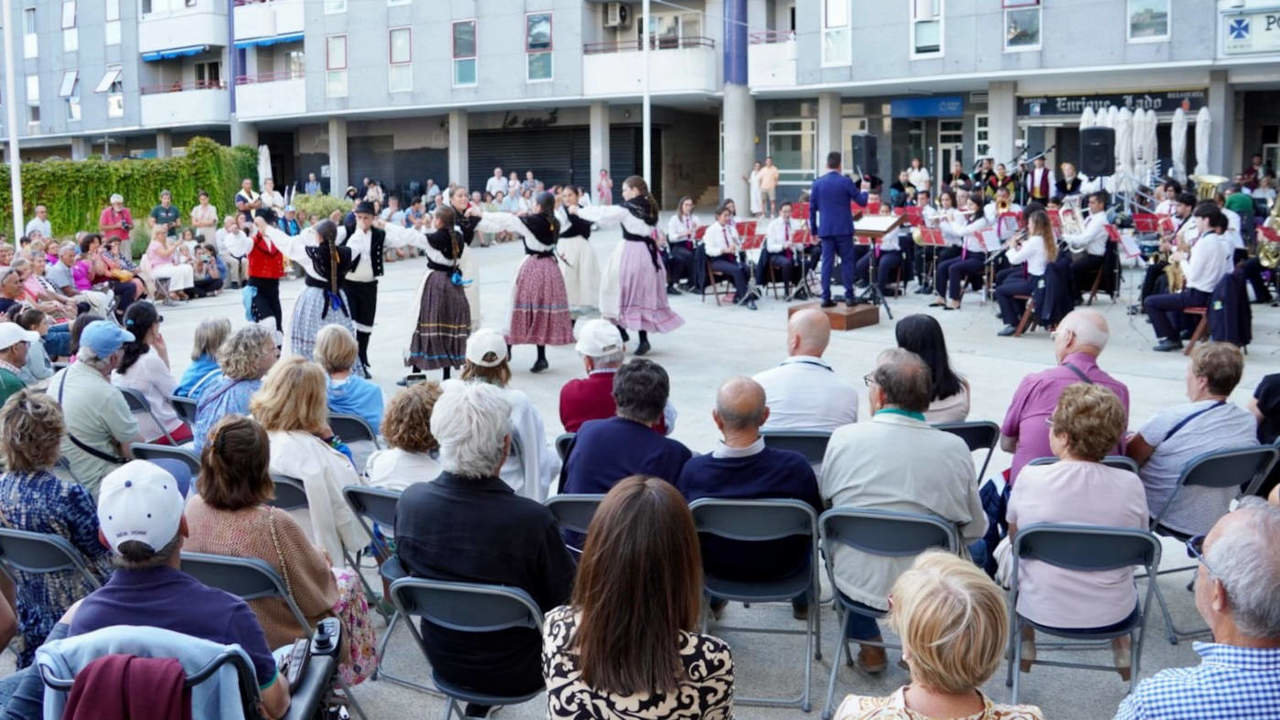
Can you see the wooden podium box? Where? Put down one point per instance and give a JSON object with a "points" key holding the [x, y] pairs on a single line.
{"points": [[844, 317]]}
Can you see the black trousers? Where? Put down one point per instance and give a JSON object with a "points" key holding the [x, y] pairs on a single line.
{"points": [[126, 293], [266, 301], [886, 265], [1166, 314], [1154, 281], [1084, 270], [679, 262], [953, 273], [1010, 309], [362, 299], [726, 265], [1253, 273], [206, 286]]}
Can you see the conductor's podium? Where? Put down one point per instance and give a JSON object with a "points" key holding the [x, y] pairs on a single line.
{"points": [[844, 317]]}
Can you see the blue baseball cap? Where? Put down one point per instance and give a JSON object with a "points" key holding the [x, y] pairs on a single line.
{"points": [[104, 337]]}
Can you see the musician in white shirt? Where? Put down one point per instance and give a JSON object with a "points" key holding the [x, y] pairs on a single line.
{"points": [[973, 255], [887, 253], [1036, 252], [786, 256], [722, 245], [1203, 270], [681, 231], [1089, 246], [1169, 192]]}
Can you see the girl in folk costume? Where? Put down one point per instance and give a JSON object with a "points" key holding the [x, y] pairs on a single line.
{"points": [[634, 294], [578, 264], [444, 318], [266, 267], [539, 303], [466, 217]]}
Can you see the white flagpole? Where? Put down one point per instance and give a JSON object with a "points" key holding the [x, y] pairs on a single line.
{"points": [[645, 124], [15, 161]]}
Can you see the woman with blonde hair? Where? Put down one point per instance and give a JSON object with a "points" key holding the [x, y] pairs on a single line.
{"points": [[1035, 252], [210, 334], [406, 427], [293, 408], [349, 394], [954, 627]]}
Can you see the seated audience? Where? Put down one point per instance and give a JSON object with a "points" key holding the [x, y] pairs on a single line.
{"points": [[722, 245], [469, 524], [165, 258], [291, 407], [607, 656], [591, 398], [99, 423], [1086, 424], [203, 370], [231, 516], [954, 631], [406, 427], [38, 368], [897, 461], [922, 335], [32, 498], [605, 451], [742, 468], [804, 392], [532, 463], [1079, 340], [14, 346], [145, 368], [1167, 442], [349, 394], [243, 358], [1237, 582]]}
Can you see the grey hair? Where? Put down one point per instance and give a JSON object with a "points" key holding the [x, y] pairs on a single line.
{"points": [[1089, 327], [87, 356], [609, 360], [469, 421], [905, 379], [1243, 560], [68, 245]]}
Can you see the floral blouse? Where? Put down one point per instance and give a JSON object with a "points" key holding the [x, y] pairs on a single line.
{"points": [[894, 707], [41, 502], [707, 691]]}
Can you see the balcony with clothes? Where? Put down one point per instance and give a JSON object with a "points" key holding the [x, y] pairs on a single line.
{"points": [[190, 91], [166, 26], [266, 22], [681, 58], [771, 58], [273, 82]]}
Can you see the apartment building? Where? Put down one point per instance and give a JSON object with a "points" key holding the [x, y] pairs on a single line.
{"points": [[404, 90]]}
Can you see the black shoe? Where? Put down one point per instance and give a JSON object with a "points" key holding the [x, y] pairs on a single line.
{"points": [[828, 303], [642, 348], [539, 366], [1168, 346], [1185, 335], [750, 303], [365, 371], [924, 290], [1006, 331], [411, 379], [673, 290], [800, 612]]}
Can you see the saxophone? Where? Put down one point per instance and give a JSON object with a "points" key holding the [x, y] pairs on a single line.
{"points": [[1269, 252], [1172, 270]]}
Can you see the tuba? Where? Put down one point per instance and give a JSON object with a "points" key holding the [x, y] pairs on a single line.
{"points": [[1071, 217], [1269, 252], [1207, 185]]}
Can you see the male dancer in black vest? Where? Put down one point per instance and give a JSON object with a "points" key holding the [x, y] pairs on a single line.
{"points": [[361, 284]]}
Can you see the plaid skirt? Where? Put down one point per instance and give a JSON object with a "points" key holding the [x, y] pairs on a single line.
{"points": [[307, 321], [444, 321], [539, 305]]}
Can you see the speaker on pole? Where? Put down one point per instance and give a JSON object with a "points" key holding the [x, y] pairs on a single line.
{"points": [[1097, 151], [864, 154]]}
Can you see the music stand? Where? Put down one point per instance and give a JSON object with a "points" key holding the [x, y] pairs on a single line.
{"points": [[932, 238], [871, 230], [802, 236]]}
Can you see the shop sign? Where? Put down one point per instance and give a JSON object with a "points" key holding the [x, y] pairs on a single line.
{"points": [[1165, 101], [922, 107], [1252, 32]]}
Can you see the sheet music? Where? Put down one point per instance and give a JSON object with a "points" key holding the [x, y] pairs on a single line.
{"points": [[990, 239], [1130, 245]]}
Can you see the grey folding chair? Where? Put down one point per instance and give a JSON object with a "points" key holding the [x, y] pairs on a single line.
{"points": [[253, 579], [40, 553], [1119, 462], [756, 521], [563, 442], [353, 428], [1242, 468], [978, 435], [186, 408], [1082, 548], [466, 607], [812, 444], [151, 451], [290, 493], [138, 403], [573, 513], [887, 533]]}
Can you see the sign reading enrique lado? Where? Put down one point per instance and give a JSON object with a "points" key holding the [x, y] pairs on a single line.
{"points": [[1251, 32]]}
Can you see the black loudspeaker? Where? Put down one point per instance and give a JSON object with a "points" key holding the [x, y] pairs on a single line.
{"points": [[1097, 151], [864, 154]]}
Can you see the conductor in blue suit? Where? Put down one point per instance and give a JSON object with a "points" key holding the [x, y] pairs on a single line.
{"points": [[831, 219]]}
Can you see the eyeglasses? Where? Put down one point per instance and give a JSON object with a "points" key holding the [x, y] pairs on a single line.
{"points": [[1195, 551], [869, 379]]}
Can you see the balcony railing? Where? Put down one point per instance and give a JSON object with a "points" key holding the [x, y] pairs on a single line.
{"points": [[268, 77], [766, 37], [174, 87], [657, 43]]}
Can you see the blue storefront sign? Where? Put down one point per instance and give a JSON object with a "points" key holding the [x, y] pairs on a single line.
{"points": [[922, 107]]}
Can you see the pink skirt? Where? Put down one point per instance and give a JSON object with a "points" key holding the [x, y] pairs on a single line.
{"points": [[642, 292], [540, 306]]}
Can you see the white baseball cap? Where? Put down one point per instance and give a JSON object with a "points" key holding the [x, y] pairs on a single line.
{"points": [[598, 337], [486, 341], [13, 333], [139, 501]]}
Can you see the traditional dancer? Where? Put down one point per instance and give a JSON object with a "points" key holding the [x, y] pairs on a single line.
{"points": [[539, 304], [578, 261], [444, 318], [634, 294], [266, 267], [466, 216]]}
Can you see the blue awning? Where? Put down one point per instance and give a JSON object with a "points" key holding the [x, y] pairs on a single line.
{"points": [[273, 40], [174, 53]]}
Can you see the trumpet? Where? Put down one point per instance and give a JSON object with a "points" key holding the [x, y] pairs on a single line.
{"points": [[1002, 205]]}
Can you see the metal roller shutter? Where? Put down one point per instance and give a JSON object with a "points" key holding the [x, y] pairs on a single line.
{"points": [[555, 155]]}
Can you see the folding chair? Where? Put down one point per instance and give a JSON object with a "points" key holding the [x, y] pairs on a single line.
{"points": [[978, 435], [886, 533], [253, 579], [185, 407], [184, 455], [812, 444], [1082, 548], [573, 512], [138, 403], [353, 428], [41, 553], [563, 442], [1241, 468], [466, 607], [1202, 326], [290, 493], [1119, 462], [711, 282], [372, 506], [755, 521]]}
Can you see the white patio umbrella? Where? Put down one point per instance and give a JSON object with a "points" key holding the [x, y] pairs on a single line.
{"points": [[1087, 118], [1138, 160], [1151, 144], [1124, 149], [264, 165], [1204, 125], [1178, 138], [1113, 114]]}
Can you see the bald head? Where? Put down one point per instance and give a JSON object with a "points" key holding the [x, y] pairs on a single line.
{"points": [[740, 404], [1083, 330], [808, 333]]}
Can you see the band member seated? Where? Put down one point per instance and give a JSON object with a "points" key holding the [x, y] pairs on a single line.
{"points": [[680, 239], [1156, 282], [888, 258], [722, 246], [1089, 247], [1001, 215], [1029, 256], [1206, 266], [952, 273], [788, 260]]}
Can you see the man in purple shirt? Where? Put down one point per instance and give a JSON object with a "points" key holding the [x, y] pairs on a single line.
{"points": [[1077, 342]]}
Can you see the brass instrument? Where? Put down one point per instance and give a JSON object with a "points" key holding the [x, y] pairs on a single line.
{"points": [[1002, 205], [1172, 270], [1269, 252], [1071, 217], [1207, 185]]}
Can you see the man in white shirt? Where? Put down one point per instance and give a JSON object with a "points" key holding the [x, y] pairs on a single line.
{"points": [[787, 259], [497, 183], [722, 246], [230, 229], [1206, 266], [40, 223], [271, 198], [803, 392], [918, 175], [1089, 247]]}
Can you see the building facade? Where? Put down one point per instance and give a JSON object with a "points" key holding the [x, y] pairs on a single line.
{"points": [[405, 90]]}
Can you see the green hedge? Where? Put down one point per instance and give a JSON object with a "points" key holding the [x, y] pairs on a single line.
{"points": [[76, 191]]}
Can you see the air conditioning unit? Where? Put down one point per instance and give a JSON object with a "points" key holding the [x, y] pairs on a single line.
{"points": [[616, 15]]}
